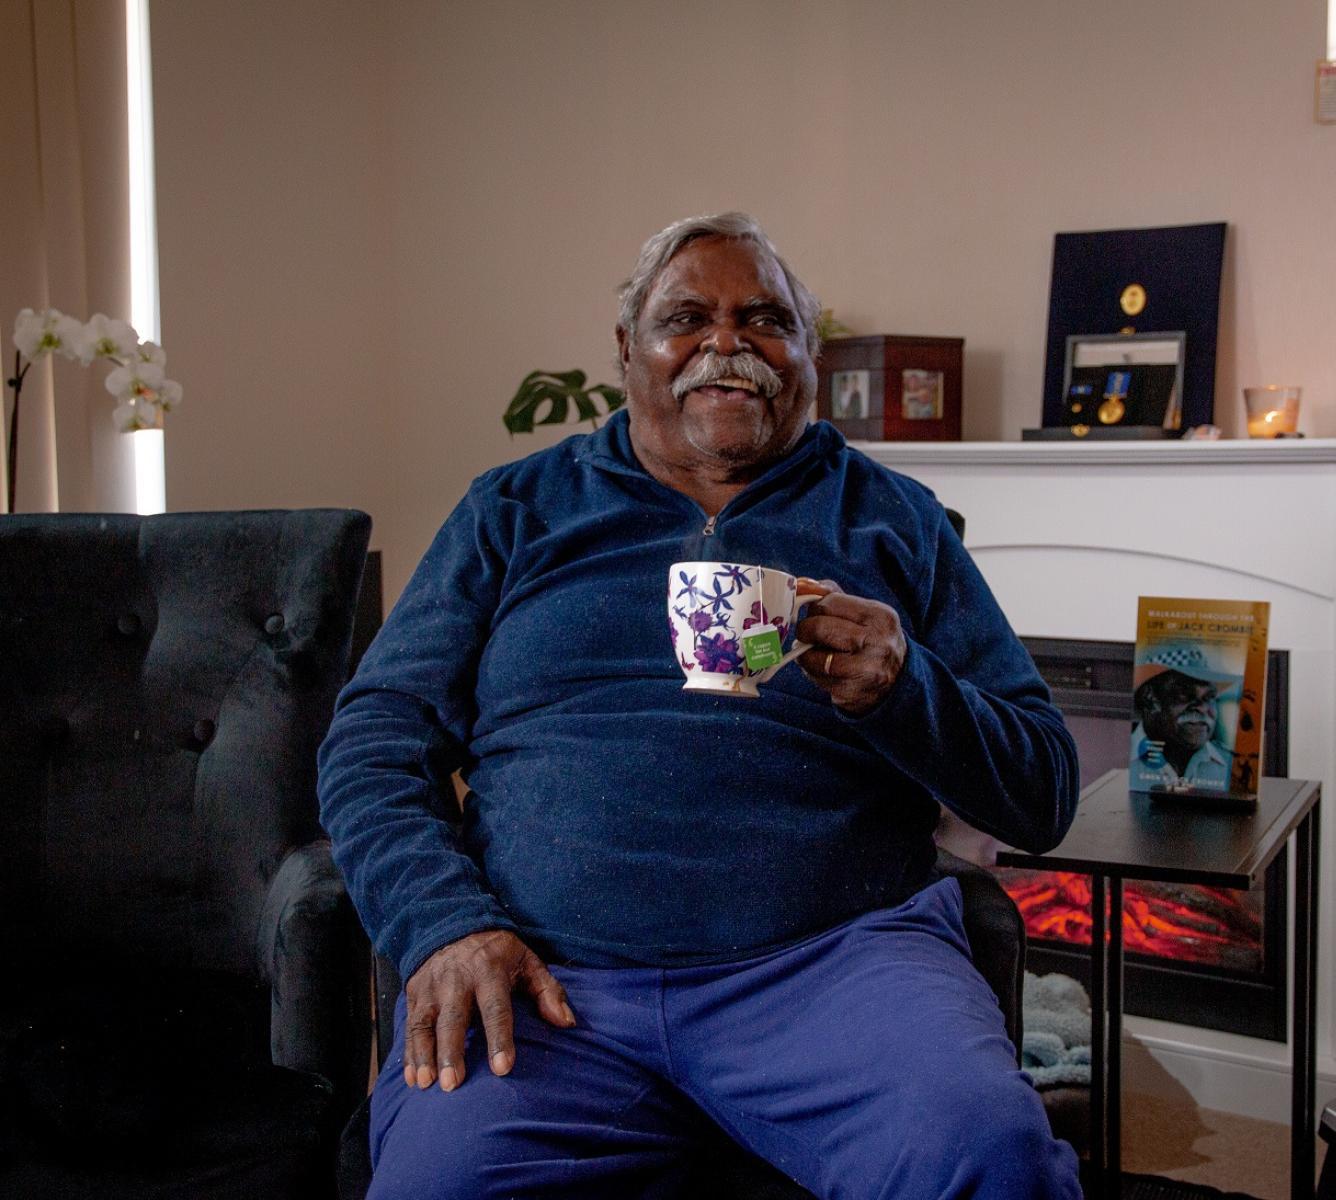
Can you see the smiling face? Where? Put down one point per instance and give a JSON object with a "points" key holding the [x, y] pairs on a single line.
{"points": [[718, 375], [1180, 709]]}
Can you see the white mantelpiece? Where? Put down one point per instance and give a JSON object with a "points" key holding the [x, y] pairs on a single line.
{"points": [[1226, 451], [1070, 535]]}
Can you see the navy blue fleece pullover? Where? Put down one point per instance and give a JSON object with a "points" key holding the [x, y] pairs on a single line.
{"points": [[617, 819]]}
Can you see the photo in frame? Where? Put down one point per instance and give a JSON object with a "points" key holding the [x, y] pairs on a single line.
{"points": [[912, 387], [921, 394], [850, 395]]}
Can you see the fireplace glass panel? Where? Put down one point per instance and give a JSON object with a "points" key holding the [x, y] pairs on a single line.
{"points": [[1212, 927]]}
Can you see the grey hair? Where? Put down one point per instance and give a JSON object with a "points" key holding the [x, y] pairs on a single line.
{"points": [[656, 253]]}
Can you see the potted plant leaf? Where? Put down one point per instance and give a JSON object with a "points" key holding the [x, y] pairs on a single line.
{"points": [[547, 397]]}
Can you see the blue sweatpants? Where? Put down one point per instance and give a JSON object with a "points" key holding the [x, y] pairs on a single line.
{"points": [[867, 1061]]}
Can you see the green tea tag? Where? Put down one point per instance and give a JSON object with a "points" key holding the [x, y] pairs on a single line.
{"points": [[761, 647]]}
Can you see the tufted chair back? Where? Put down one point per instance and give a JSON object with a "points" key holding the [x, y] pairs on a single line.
{"points": [[165, 683]]}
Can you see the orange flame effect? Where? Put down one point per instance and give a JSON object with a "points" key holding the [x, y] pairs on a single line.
{"points": [[1056, 907]]}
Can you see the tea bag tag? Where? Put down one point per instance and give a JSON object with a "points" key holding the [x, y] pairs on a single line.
{"points": [[761, 647]]}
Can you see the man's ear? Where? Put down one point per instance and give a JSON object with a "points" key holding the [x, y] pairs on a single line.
{"points": [[623, 348]]}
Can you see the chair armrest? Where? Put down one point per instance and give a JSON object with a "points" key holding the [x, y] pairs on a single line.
{"points": [[388, 987], [315, 957], [996, 935]]}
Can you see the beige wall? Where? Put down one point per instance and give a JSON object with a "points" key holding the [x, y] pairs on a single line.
{"points": [[376, 218], [270, 123]]}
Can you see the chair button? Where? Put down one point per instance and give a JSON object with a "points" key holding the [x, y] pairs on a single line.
{"points": [[128, 624], [274, 624], [203, 732]]}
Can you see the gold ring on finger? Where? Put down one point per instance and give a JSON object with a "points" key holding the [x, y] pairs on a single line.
{"points": [[829, 658]]}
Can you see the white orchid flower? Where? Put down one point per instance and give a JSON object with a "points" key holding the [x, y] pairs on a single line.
{"points": [[136, 414], [137, 381], [151, 352], [106, 337], [138, 378], [29, 329], [46, 332], [124, 417]]}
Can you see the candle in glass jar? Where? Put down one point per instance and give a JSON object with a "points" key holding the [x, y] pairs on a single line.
{"points": [[1271, 411], [1268, 424]]}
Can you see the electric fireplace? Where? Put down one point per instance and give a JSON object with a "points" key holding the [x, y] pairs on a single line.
{"points": [[1068, 536], [1194, 955]]}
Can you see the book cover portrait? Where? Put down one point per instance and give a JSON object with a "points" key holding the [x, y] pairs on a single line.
{"points": [[1199, 679]]}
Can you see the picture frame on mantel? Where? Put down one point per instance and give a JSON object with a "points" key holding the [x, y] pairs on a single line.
{"points": [[1122, 283], [892, 388]]}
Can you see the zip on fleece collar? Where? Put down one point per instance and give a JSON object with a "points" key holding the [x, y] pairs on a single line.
{"points": [[609, 449]]}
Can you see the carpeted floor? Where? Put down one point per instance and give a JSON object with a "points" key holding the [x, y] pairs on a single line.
{"points": [[1173, 1150]]}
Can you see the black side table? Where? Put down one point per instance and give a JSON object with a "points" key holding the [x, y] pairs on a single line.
{"points": [[1119, 835]]}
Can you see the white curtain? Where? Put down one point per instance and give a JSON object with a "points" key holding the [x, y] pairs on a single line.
{"points": [[65, 239]]}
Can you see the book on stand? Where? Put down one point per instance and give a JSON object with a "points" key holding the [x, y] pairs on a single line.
{"points": [[1198, 688]]}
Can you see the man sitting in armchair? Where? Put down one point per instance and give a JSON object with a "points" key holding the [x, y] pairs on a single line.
{"points": [[661, 902]]}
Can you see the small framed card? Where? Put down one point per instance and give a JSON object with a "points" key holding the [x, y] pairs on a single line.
{"points": [[892, 388], [1325, 113]]}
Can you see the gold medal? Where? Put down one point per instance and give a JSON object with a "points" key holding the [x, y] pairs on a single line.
{"points": [[1112, 410], [1115, 394], [1133, 299], [1077, 406]]}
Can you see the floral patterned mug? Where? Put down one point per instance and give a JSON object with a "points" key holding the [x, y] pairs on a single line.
{"points": [[732, 625]]}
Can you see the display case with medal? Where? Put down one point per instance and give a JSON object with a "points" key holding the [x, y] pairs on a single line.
{"points": [[1105, 376], [1131, 381]]}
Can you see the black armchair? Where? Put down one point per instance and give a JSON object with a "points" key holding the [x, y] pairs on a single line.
{"points": [[722, 1170], [186, 1011]]}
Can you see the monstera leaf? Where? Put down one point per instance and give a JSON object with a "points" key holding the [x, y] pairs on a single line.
{"points": [[558, 391]]}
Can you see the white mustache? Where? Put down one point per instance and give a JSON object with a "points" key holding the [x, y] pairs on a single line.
{"points": [[714, 367]]}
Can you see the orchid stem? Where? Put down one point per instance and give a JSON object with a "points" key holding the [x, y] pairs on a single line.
{"points": [[13, 462]]}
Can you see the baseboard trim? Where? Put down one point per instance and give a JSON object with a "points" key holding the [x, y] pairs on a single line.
{"points": [[1225, 1080]]}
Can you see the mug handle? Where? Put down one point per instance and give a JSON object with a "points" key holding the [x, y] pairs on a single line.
{"points": [[797, 648]]}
